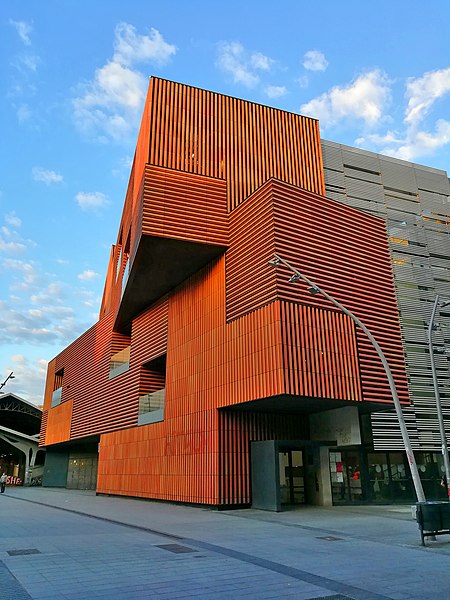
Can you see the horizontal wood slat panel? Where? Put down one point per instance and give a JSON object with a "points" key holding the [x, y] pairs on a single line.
{"points": [[183, 205], [342, 249]]}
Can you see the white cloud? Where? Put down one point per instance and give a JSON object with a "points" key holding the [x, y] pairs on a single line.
{"points": [[417, 139], [235, 60], [87, 275], [423, 91], [130, 47], [419, 143], [276, 91], [363, 99], [46, 176], [260, 61], [314, 60], [91, 200], [13, 220], [10, 241], [12, 247], [23, 29], [26, 273], [111, 103], [28, 62], [40, 316]]}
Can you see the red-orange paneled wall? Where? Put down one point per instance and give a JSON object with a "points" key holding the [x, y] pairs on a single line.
{"points": [[210, 364], [320, 353], [343, 250], [59, 421], [244, 143], [101, 404], [184, 206], [191, 131]]}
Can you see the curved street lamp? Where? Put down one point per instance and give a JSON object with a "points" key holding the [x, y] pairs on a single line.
{"points": [[437, 394], [10, 376], [315, 289]]}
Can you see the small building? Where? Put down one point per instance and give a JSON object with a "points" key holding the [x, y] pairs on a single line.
{"points": [[20, 456]]}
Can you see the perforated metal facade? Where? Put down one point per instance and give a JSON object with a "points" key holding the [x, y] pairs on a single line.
{"points": [[415, 202]]}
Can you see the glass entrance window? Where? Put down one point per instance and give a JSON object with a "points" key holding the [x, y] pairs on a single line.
{"points": [[345, 471], [378, 476], [389, 477], [292, 477]]}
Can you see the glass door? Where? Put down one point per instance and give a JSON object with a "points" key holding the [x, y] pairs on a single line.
{"points": [[346, 482], [292, 477]]}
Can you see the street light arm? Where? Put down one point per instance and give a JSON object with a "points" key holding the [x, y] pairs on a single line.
{"points": [[398, 408], [438, 396], [10, 376]]}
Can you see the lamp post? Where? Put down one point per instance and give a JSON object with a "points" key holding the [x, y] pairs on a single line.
{"points": [[10, 376], [315, 289], [437, 394]]}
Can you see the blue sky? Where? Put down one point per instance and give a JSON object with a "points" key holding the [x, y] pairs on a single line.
{"points": [[74, 76]]}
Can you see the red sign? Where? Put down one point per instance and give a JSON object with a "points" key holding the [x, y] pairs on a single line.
{"points": [[10, 480]]}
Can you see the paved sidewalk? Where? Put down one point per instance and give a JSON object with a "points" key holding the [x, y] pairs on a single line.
{"points": [[58, 544]]}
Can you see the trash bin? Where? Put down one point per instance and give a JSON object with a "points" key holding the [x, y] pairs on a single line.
{"points": [[445, 515], [433, 518]]}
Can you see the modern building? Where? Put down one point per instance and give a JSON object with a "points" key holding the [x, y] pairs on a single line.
{"points": [[20, 456], [209, 377]]}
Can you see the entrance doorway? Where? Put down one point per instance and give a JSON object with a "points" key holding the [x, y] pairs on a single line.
{"points": [[292, 477], [82, 472], [346, 479]]}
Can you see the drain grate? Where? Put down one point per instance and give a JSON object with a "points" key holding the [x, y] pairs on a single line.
{"points": [[330, 538], [23, 552], [176, 548]]}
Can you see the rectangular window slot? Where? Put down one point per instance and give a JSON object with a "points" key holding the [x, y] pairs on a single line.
{"points": [[120, 362]]}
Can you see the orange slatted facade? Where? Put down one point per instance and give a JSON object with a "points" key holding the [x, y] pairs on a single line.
{"points": [[345, 252], [194, 319]]}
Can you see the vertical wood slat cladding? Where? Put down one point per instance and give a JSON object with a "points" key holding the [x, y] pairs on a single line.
{"points": [[209, 364], [237, 429], [342, 249], [173, 460], [185, 206], [204, 133], [210, 134], [320, 353]]}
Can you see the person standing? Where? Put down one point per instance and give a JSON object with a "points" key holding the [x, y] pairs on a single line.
{"points": [[3, 482]]}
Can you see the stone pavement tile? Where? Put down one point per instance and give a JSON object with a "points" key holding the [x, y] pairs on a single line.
{"points": [[108, 553]]}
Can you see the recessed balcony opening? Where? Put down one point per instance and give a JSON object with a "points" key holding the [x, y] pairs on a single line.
{"points": [[57, 388], [152, 391], [119, 362]]}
